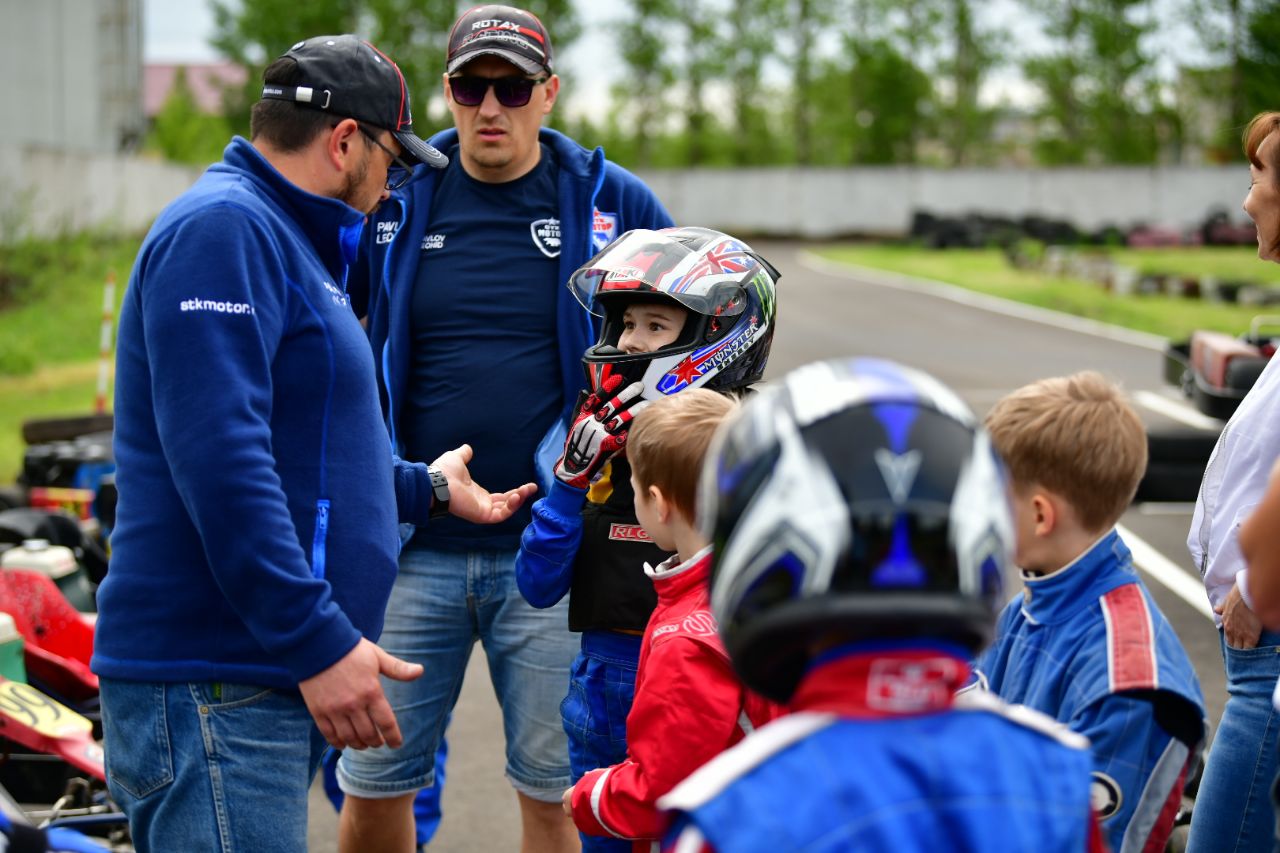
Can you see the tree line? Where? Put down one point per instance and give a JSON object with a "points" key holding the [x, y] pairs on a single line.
{"points": [[842, 82]]}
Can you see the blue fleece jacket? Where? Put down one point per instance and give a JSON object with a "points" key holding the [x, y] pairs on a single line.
{"points": [[598, 201], [256, 536]]}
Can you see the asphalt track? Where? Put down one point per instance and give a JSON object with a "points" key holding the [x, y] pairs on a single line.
{"points": [[981, 348]]}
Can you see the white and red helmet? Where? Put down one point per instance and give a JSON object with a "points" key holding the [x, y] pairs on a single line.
{"points": [[727, 288]]}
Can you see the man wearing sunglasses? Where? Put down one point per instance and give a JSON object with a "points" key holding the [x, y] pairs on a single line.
{"points": [[476, 334], [256, 536]]}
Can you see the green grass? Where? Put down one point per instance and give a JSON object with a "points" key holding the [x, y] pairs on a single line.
{"points": [[1227, 263], [47, 393], [987, 271], [52, 293], [50, 321]]}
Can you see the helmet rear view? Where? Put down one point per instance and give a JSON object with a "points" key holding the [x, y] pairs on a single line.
{"points": [[852, 501], [726, 288]]}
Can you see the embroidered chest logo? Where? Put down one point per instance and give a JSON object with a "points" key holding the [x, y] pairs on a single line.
{"points": [[546, 236], [433, 241], [386, 232], [338, 297], [604, 227]]}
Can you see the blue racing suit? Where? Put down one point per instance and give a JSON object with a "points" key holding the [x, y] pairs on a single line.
{"points": [[1088, 646]]}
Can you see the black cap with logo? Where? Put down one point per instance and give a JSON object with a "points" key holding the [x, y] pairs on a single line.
{"points": [[502, 31], [349, 77]]}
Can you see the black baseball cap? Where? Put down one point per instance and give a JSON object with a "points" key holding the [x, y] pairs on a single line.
{"points": [[349, 77], [502, 31]]}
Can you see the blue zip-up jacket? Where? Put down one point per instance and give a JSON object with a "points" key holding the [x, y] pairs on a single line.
{"points": [[256, 536], [1088, 646], [598, 201]]}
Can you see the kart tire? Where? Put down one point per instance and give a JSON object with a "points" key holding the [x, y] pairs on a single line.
{"points": [[1242, 373], [1169, 483]]}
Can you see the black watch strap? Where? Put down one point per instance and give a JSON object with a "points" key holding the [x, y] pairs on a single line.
{"points": [[439, 492]]}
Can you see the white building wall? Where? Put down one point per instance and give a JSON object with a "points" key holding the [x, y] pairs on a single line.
{"points": [[51, 190], [72, 72], [820, 203]]}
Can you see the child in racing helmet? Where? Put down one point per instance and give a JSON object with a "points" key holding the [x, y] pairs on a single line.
{"points": [[860, 531], [689, 705], [677, 308]]}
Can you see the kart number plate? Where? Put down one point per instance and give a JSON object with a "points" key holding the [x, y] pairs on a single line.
{"points": [[29, 707]]}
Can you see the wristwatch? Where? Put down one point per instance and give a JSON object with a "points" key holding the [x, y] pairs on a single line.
{"points": [[439, 492]]}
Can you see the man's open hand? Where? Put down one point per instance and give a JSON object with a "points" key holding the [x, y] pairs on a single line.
{"points": [[347, 702], [469, 500]]}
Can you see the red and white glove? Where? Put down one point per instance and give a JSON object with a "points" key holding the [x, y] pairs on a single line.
{"points": [[598, 432]]}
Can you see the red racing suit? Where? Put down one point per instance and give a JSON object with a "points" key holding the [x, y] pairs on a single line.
{"points": [[689, 707]]}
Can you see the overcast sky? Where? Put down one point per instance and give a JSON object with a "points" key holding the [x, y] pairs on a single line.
{"points": [[178, 31]]}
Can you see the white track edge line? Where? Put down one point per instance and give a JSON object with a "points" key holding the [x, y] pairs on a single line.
{"points": [[1176, 411], [1166, 572], [994, 304]]}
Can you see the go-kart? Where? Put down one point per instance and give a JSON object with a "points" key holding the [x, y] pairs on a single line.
{"points": [[1215, 370]]}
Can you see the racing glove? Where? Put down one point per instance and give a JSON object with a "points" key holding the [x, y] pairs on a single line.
{"points": [[598, 432]]}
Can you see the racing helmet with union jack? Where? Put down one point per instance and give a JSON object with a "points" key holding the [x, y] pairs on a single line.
{"points": [[853, 500], [727, 288]]}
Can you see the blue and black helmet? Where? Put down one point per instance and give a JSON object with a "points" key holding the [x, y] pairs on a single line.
{"points": [[852, 500]]}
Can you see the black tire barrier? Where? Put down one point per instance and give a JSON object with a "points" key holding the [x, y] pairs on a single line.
{"points": [[42, 430], [1173, 483], [1180, 447]]}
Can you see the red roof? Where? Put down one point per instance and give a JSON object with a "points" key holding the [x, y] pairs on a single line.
{"points": [[206, 82]]}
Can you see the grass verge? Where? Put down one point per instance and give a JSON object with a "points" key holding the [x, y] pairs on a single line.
{"points": [[987, 271], [55, 391]]}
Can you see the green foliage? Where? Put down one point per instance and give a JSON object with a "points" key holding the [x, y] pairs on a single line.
{"points": [[643, 43], [964, 124], [183, 133], [889, 103], [1102, 99], [1260, 62], [830, 82], [412, 32]]}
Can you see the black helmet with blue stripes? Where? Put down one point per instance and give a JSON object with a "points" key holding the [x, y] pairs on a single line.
{"points": [[853, 500]]}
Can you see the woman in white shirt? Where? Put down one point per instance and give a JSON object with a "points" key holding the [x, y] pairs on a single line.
{"points": [[1232, 812]]}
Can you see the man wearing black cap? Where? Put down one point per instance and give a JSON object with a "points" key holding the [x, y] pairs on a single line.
{"points": [[469, 314], [256, 534]]}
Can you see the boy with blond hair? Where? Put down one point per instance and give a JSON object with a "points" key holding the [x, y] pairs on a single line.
{"points": [[689, 705], [1086, 643]]}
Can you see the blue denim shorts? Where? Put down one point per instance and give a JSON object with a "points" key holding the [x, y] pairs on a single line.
{"points": [[222, 768], [442, 602]]}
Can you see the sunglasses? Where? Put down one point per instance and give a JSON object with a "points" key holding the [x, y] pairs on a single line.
{"points": [[399, 171], [510, 91]]}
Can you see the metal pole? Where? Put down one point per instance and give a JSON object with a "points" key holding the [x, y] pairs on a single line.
{"points": [[104, 342]]}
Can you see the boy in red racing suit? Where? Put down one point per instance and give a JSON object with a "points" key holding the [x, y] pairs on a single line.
{"points": [[689, 704]]}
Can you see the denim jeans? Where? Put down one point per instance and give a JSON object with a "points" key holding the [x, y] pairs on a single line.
{"points": [[1233, 809], [426, 805], [223, 767], [602, 687], [442, 602]]}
